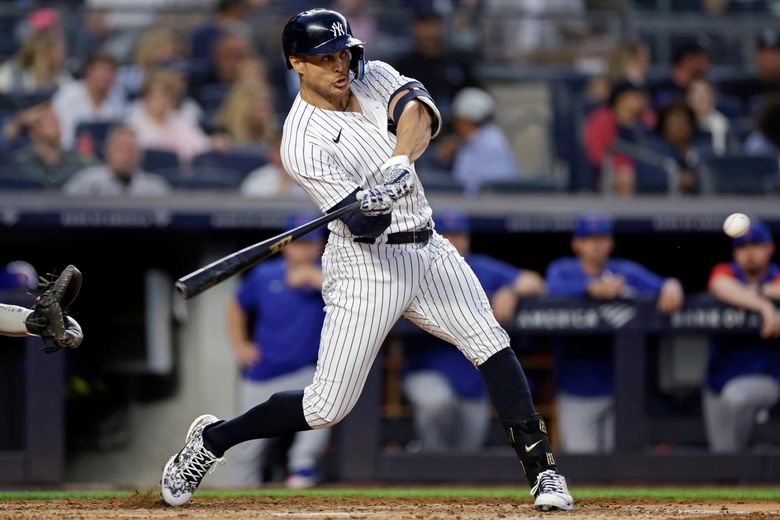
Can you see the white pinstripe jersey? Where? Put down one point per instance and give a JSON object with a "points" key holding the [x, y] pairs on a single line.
{"points": [[331, 153]]}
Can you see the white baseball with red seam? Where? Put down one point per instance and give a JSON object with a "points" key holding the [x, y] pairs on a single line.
{"points": [[736, 225]]}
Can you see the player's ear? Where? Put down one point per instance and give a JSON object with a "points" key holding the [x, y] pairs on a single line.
{"points": [[297, 64]]}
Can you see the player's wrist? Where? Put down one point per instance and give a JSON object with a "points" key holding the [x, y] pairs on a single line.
{"points": [[395, 161]]}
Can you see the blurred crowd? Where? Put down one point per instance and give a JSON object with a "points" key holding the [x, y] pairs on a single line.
{"points": [[97, 97]]}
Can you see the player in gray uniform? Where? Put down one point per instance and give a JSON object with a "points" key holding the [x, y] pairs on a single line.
{"points": [[354, 131]]}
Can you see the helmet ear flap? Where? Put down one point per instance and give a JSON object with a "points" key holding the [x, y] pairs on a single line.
{"points": [[357, 64]]}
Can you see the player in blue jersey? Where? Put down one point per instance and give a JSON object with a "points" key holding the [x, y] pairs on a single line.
{"points": [[451, 406], [743, 377], [583, 366], [283, 295]]}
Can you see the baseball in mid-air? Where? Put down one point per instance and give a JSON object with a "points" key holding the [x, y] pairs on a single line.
{"points": [[736, 225]]}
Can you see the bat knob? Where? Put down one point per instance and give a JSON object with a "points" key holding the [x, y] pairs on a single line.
{"points": [[183, 290]]}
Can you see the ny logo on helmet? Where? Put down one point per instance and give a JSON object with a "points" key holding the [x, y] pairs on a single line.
{"points": [[337, 29]]}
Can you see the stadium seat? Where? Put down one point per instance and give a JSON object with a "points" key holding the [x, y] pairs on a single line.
{"points": [[160, 161], [243, 161], [740, 175]]}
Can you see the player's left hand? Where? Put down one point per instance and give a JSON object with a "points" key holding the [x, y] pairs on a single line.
{"points": [[504, 304], [398, 175], [375, 202]]}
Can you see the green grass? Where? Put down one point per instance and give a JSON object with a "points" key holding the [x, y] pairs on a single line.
{"points": [[519, 493]]}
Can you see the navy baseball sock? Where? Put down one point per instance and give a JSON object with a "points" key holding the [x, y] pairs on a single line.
{"points": [[279, 415], [511, 397], [507, 386]]}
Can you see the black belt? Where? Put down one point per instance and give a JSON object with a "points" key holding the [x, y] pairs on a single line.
{"points": [[418, 236]]}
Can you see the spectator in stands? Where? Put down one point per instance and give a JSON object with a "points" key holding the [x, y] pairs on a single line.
{"points": [[158, 46], [765, 139], [689, 62], [121, 175], [159, 125], [621, 119], [279, 353], [362, 19], [584, 367], [44, 159], [211, 87], [442, 72], [252, 73], [230, 16], [709, 121], [247, 116], [765, 81], [94, 99], [676, 140], [183, 105], [451, 409], [743, 376], [38, 66], [629, 62], [271, 180], [484, 153]]}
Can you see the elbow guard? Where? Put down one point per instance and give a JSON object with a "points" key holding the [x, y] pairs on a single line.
{"points": [[417, 92]]}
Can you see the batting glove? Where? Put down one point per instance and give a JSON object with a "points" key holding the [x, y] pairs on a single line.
{"points": [[398, 175], [375, 201]]}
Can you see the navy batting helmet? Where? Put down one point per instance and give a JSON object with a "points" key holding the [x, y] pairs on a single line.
{"points": [[321, 31]]}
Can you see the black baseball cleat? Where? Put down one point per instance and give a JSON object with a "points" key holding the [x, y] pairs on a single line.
{"points": [[184, 471], [551, 492]]}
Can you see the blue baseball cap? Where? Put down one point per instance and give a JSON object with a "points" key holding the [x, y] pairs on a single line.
{"points": [[299, 219], [593, 225], [757, 233], [452, 221]]}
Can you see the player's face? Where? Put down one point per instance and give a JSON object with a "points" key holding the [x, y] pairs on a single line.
{"points": [[303, 251], [327, 75], [123, 154], [753, 259], [593, 250]]}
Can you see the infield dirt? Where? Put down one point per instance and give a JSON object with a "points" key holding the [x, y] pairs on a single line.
{"points": [[144, 506]]}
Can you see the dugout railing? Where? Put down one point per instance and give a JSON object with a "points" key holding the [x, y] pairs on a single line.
{"points": [[631, 323]]}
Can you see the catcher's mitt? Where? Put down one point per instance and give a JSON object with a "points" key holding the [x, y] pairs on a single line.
{"points": [[48, 318]]}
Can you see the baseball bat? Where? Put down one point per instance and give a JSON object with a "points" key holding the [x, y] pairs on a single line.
{"points": [[234, 263]]}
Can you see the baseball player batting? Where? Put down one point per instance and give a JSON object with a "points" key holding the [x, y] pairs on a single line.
{"points": [[354, 132]]}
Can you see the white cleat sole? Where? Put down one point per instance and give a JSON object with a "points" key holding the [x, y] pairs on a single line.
{"points": [[547, 504]]}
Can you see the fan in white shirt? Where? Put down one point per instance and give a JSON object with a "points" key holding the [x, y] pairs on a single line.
{"points": [[93, 99]]}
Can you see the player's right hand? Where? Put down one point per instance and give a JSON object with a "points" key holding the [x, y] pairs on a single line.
{"points": [[398, 175], [770, 322], [375, 201], [247, 354], [607, 287]]}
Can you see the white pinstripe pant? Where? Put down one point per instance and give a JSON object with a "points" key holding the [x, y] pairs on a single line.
{"points": [[366, 289]]}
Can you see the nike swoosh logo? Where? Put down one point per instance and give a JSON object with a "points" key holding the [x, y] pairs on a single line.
{"points": [[532, 446], [338, 137]]}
